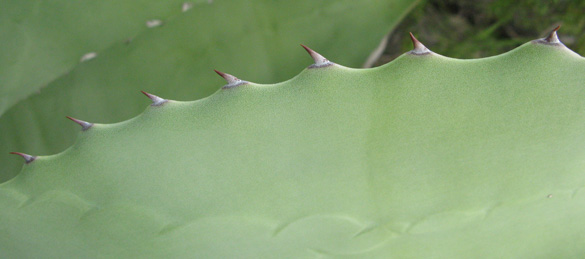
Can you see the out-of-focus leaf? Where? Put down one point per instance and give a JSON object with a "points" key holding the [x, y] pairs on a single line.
{"points": [[43, 40]]}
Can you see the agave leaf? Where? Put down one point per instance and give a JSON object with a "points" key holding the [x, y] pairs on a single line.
{"points": [[257, 40], [426, 156]]}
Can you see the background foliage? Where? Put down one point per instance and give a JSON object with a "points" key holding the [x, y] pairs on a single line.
{"points": [[475, 29]]}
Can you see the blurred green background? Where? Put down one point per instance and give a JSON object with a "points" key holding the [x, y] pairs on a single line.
{"points": [[475, 29]]}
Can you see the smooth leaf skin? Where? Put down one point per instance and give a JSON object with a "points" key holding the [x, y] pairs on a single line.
{"points": [[43, 40], [423, 157], [254, 40]]}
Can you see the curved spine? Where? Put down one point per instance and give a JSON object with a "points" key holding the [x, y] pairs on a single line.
{"points": [[232, 81], [84, 124], [320, 61], [27, 158], [156, 101], [419, 48]]}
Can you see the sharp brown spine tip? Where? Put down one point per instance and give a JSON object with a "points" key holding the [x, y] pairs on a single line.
{"points": [[553, 38], [309, 50], [27, 158], [84, 124], [412, 37], [232, 81], [419, 48], [156, 101], [222, 74], [319, 60]]}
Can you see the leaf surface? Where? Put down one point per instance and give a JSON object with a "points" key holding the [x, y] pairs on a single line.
{"points": [[426, 156], [256, 40]]}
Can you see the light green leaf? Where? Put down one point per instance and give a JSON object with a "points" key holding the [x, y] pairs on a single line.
{"points": [[256, 40], [424, 157]]}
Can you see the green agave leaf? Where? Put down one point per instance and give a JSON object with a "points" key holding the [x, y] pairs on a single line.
{"points": [[257, 40], [426, 157]]}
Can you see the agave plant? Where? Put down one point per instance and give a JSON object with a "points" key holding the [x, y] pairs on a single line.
{"points": [[88, 59], [426, 156]]}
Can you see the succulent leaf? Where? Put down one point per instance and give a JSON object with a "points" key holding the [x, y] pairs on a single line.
{"points": [[172, 58], [426, 156]]}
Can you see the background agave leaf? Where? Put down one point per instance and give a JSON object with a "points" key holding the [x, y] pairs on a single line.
{"points": [[256, 40], [43, 40]]}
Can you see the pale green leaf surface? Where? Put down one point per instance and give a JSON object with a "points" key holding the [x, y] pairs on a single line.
{"points": [[424, 157], [255, 40]]}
